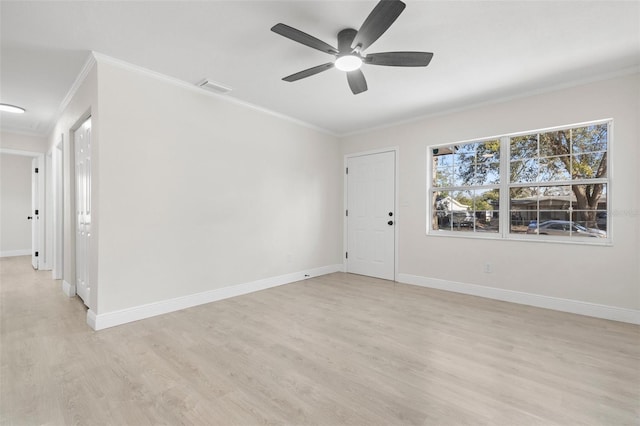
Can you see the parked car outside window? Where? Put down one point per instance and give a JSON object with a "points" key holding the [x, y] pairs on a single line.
{"points": [[564, 228]]}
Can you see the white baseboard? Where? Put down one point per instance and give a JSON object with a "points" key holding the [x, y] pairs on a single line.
{"points": [[12, 253], [68, 289], [112, 319], [91, 319], [565, 305]]}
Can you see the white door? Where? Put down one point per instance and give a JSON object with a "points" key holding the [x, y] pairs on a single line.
{"points": [[82, 144], [35, 214], [371, 215]]}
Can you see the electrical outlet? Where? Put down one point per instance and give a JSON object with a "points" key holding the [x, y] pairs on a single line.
{"points": [[487, 268]]}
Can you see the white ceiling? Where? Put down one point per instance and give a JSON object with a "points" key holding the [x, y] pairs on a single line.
{"points": [[483, 51]]}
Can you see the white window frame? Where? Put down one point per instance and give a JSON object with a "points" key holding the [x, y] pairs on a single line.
{"points": [[504, 210]]}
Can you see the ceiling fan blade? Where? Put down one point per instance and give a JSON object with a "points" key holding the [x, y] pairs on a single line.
{"points": [[379, 20], [345, 39], [309, 72], [399, 59], [357, 82], [303, 38]]}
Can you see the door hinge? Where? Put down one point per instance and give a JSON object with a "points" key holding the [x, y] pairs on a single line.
{"points": [[346, 254], [36, 254], [37, 212], [36, 170], [347, 170], [346, 212]]}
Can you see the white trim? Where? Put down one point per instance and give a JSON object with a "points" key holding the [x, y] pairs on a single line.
{"points": [[21, 152], [396, 150], [112, 319], [92, 320], [12, 253], [101, 58], [555, 303], [68, 289]]}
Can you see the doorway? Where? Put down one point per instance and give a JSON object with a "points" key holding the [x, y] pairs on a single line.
{"points": [[371, 229], [34, 214]]}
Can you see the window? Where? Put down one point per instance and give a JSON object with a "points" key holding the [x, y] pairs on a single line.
{"points": [[550, 184], [466, 187]]}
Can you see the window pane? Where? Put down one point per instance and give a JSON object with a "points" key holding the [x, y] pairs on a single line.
{"points": [[554, 198], [460, 204], [464, 165], [443, 160], [581, 228], [441, 218], [554, 169], [601, 220], [523, 205], [442, 167], [443, 177], [488, 151], [523, 147], [589, 201], [588, 166], [554, 143], [553, 215], [486, 205], [589, 138], [524, 171], [452, 211], [487, 174]]}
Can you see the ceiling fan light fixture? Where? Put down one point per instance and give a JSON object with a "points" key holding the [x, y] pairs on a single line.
{"points": [[11, 108], [348, 63]]}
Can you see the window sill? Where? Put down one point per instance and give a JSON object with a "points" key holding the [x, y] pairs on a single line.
{"points": [[583, 241]]}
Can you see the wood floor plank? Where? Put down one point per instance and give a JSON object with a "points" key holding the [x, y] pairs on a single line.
{"points": [[333, 350]]}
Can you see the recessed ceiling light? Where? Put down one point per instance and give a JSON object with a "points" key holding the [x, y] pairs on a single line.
{"points": [[11, 108], [348, 63]]}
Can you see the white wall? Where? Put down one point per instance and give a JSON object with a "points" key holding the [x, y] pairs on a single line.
{"points": [[15, 205], [22, 142], [599, 275], [197, 193]]}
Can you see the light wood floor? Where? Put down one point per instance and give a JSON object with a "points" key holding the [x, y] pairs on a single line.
{"points": [[339, 349]]}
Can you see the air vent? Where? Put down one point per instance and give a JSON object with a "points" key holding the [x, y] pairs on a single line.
{"points": [[214, 87]]}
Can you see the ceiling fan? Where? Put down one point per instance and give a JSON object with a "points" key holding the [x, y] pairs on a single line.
{"points": [[351, 45]]}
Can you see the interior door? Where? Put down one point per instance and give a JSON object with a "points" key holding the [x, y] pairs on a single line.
{"points": [[35, 215], [371, 215], [82, 147]]}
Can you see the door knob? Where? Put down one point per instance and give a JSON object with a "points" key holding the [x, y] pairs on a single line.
{"points": [[390, 222], [29, 218], [390, 213]]}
